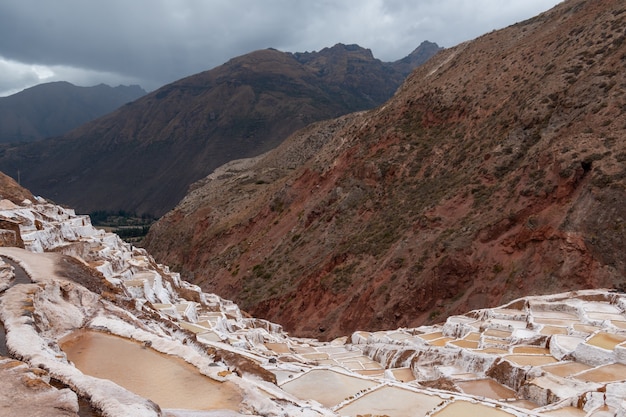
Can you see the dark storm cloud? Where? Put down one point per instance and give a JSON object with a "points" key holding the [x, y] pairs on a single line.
{"points": [[153, 42]]}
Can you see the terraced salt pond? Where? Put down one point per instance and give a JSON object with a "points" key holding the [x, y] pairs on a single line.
{"points": [[167, 380], [327, 387], [392, 402], [403, 374], [606, 341], [566, 369], [486, 388], [606, 373], [468, 409], [531, 360]]}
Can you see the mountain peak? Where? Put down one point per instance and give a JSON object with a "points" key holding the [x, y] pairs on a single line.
{"points": [[350, 48], [418, 56], [337, 50]]}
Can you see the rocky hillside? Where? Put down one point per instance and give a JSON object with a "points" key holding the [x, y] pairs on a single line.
{"points": [[497, 170], [12, 191], [53, 109], [143, 157]]}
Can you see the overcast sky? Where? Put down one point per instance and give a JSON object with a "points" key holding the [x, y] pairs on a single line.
{"points": [[155, 42]]}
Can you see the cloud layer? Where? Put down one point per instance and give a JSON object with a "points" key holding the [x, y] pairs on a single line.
{"points": [[154, 42]]}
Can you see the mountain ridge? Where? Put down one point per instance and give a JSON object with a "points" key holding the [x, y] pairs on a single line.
{"points": [[52, 109], [142, 157], [497, 170]]}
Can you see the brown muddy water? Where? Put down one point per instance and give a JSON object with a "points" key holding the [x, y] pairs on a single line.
{"points": [[167, 380], [566, 369], [606, 340], [488, 388], [532, 360]]}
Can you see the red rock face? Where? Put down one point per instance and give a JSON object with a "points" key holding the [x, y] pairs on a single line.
{"points": [[496, 171]]}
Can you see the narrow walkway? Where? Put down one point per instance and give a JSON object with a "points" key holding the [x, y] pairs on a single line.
{"points": [[4, 351], [40, 266], [21, 277]]}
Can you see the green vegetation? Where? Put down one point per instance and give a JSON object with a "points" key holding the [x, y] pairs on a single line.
{"points": [[129, 226], [434, 315], [260, 272]]}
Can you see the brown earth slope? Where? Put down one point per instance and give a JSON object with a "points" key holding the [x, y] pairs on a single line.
{"points": [[142, 157], [12, 191], [497, 170]]}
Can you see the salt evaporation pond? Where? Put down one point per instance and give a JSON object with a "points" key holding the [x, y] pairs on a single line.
{"points": [[565, 369], [467, 409], [392, 402], [167, 380], [532, 360], [278, 347], [533, 350], [604, 374], [327, 387], [488, 388], [21, 277], [551, 330], [606, 340], [403, 374]]}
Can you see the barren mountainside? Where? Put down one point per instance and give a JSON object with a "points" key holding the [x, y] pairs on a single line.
{"points": [[497, 170], [142, 157]]}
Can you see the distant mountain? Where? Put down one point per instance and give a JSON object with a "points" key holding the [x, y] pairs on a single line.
{"points": [[497, 170], [52, 109], [142, 157], [419, 56]]}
